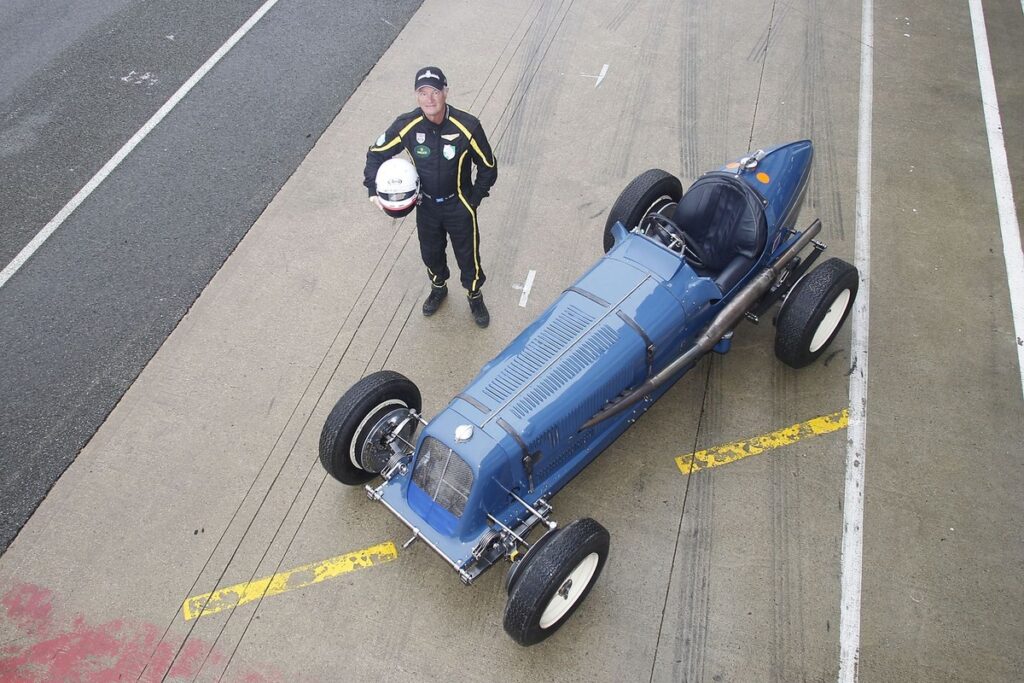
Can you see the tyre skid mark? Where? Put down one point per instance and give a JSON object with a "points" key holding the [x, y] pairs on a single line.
{"points": [[347, 341], [401, 247], [788, 653], [624, 12], [692, 47], [531, 103], [510, 121], [390, 256], [627, 127], [689, 647], [759, 50], [830, 208]]}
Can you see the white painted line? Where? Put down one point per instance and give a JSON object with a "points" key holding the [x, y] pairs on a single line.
{"points": [[1009, 227], [527, 286], [856, 455], [604, 71], [109, 167]]}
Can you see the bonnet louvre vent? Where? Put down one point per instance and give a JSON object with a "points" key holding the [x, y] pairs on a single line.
{"points": [[549, 341], [561, 374]]}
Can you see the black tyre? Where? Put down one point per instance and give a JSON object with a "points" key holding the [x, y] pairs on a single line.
{"points": [[516, 570], [649, 192], [362, 408], [814, 311], [555, 581]]}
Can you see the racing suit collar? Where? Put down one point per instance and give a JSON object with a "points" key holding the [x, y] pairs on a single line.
{"points": [[447, 111]]}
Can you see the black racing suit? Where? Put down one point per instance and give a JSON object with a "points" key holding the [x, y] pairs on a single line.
{"points": [[444, 155]]}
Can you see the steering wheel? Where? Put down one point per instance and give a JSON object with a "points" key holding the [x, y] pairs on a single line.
{"points": [[666, 227]]}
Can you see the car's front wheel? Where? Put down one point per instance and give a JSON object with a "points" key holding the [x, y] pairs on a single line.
{"points": [[351, 442], [814, 311], [555, 581]]}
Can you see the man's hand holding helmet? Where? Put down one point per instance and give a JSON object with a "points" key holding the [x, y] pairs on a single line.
{"points": [[398, 187]]}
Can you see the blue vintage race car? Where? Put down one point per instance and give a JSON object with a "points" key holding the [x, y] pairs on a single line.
{"points": [[680, 272]]}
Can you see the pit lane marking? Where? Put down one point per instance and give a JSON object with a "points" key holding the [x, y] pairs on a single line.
{"points": [[29, 249], [1009, 226], [527, 286], [299, 577], [731, 452], [852, 554], [604, 72]]}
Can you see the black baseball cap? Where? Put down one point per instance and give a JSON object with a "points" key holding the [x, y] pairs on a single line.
{"points": [[432, 76]]}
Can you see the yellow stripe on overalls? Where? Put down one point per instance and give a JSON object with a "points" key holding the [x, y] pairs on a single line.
{"points": [[458, 188], [398, 138], [472, 213], [489, 163]]}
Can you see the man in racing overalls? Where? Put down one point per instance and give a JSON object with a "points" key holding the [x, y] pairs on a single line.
{"points": [[445, 144]]}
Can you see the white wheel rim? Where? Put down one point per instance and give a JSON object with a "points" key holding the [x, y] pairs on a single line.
{"points": [[352, 455], [568, 594], [830, 322]]}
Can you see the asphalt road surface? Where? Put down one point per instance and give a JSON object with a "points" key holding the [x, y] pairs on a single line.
{"points": [[86, 312], [857, 519]]}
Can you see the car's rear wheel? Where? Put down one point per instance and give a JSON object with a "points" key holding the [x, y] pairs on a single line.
{"points": [[649, 192], [556, 580], [351, 448], [814, 311]]}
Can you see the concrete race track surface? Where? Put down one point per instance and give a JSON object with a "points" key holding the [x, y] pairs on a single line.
{"points": [[205, 477]]}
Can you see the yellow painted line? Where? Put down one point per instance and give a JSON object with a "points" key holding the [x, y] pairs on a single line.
{"points": [[731, 452], [300, 577]]}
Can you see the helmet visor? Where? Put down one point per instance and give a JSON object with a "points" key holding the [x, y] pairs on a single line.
{"points": [[397, 196]]}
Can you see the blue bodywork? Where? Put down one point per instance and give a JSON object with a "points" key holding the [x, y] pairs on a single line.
{"points": [[634, 312]]}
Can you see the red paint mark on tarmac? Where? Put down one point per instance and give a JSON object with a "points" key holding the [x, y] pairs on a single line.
{"points": [[29, 608], [112, 651]]}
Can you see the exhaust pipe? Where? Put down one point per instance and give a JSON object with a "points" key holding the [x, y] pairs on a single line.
{"points": [[726, 320]]}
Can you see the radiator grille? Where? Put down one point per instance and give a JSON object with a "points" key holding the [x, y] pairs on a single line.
{"points": [[443, 475]]}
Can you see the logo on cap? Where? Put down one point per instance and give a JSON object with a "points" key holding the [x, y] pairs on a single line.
{"points": [[430, 76]]}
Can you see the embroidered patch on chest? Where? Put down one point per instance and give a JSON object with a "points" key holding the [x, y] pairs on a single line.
{"points": [[450, 136], [421, 151], [448, 151]]}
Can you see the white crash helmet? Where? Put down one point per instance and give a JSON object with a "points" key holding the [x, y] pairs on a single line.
{"points": [[398, 186]]}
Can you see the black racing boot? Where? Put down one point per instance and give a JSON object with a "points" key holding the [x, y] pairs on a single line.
{"points": [[479, 310], [433, 302]]}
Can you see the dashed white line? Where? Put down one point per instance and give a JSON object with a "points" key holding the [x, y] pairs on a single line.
{"points": [[1009, 227], [527, 286], [116, 160], [853, 495]]}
